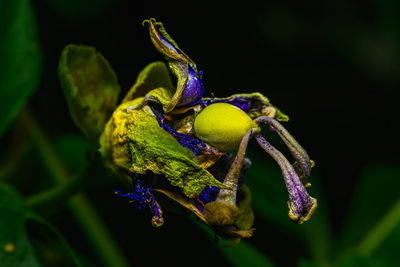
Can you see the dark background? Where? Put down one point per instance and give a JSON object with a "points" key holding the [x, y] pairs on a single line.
{"points": [[333, 67]]}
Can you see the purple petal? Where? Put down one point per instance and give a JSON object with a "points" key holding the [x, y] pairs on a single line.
{"points": [[193, 90]]}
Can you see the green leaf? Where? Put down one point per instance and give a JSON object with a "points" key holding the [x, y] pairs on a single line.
{"points": [[376, 191], [26, 239], [358, 260], [390, 248], [20, 56], [376, 194], [72, 149], [90, 87], [245, 254], [268, 191], [306, 263], [242, 254], [80, 10]]}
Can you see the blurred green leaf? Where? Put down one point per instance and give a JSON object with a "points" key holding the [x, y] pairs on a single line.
{"points": [[26, 239], [281, 26], [80, 9], [306, 263], [90, 87], [20, 58], [268, 192], [390, 248], [358, 260], [72, 149], [245, 254], [242, 254], [375, 195], [376, 191]]}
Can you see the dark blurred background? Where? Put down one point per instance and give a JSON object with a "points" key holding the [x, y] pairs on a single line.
{"points": [[332, 66]]}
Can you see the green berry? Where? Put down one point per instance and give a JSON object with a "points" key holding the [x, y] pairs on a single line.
{"points": [[222, 126]]}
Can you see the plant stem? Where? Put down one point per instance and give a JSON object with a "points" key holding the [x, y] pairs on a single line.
{"points": [[381, 230], [96, 232], [15, 155], [59, 193]]}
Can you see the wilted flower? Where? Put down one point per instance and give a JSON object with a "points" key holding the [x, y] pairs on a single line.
{"points": [[168, 140]]}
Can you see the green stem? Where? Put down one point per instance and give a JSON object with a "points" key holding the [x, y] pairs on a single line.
{"points": [[57, 194], [381, 230], [96, 232], [15, 155]]}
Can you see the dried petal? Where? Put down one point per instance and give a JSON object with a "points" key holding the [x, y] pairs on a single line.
{"points": [[189, 87], [254, 104]]}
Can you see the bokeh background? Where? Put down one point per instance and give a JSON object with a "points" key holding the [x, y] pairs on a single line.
{"points": [[332, 66]]}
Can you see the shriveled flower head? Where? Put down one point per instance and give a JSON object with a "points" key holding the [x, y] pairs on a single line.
{"points": [[166, 140]]}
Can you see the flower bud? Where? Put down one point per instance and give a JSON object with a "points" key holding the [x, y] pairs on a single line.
{"points": [[222, 126]]}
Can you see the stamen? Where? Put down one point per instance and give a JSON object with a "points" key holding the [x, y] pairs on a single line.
{"points": [[301, 205], [208, 194], [303, 163], [223, 210], [143, 197]]}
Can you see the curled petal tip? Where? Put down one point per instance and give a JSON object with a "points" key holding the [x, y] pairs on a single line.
{"points": [[312, 163], [150, 20], [157, 221], [305, 215]]}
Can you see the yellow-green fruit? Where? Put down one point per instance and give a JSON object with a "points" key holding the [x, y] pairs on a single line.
{"points": [[222, 126]]}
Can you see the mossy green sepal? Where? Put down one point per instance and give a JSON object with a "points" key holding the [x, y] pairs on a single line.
{"points": [[137, 144], [153, 76], [246, 218], [154, 85], [90, 87]]}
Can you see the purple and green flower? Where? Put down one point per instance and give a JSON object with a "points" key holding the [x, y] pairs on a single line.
{"points": [[169, 141]]}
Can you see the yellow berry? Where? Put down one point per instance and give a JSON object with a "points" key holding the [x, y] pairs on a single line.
{"points": [[222, 126]]}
